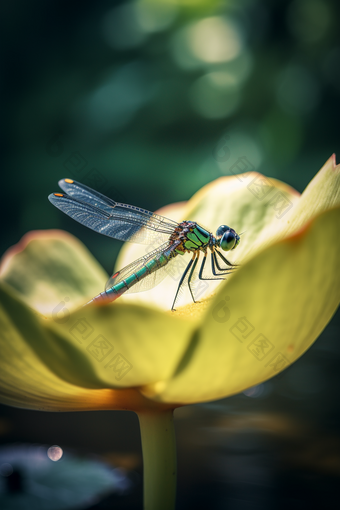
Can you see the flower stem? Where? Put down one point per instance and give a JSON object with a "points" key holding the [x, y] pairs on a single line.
{"points": [[159, 458]]}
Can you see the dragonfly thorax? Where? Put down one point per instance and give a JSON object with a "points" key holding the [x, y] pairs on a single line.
{"points": [[190, 237]]}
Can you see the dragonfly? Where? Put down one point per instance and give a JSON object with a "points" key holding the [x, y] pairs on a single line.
{"points": [[130, 223]]}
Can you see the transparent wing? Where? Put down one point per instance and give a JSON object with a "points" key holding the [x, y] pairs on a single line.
{"points": [[113, 219], [85, 194], [149, 281]]}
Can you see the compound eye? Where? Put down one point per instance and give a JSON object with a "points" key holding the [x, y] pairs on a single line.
{"points": [[221, 230], [228, 241]]}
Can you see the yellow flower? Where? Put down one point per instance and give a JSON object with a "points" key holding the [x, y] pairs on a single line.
{"points": [[56, 355]]}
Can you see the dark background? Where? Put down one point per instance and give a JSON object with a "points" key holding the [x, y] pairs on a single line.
{"points": [[135, 100]]}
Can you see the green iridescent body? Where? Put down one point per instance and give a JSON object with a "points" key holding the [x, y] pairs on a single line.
{"points": [[189, 237], [197, 238], [149, 268]]}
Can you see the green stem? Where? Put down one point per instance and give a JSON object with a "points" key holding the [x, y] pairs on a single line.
{"points": [[159, 459]]}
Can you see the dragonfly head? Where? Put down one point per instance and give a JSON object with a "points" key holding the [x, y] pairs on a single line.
{"points": [[227, 238]]}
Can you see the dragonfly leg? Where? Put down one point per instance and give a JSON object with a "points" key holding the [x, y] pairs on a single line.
{"points": [[200, 275], [190, 276], [214, 268], [224, 259], [182, 280], [214, 262]]}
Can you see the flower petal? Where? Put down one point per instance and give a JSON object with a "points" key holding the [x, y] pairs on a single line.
{"points": [[27, 382], [322, 193], [264, 318], [99, 348], [50, 268]]}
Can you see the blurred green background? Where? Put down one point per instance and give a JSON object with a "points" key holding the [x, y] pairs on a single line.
{"points": [[136, 99], [143, 92]]}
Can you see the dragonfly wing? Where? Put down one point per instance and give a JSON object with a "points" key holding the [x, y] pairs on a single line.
{"points": [[149, 281], [86, 214], [134, 266], [141, 226], [120, 221], [85, 194]]}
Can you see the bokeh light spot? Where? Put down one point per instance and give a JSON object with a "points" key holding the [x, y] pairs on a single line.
{"points": [[215, 40], [55, 453], [210, 41]]}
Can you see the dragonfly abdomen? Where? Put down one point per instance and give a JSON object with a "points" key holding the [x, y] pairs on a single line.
{"points": [[150, 267], [120, 288]]}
